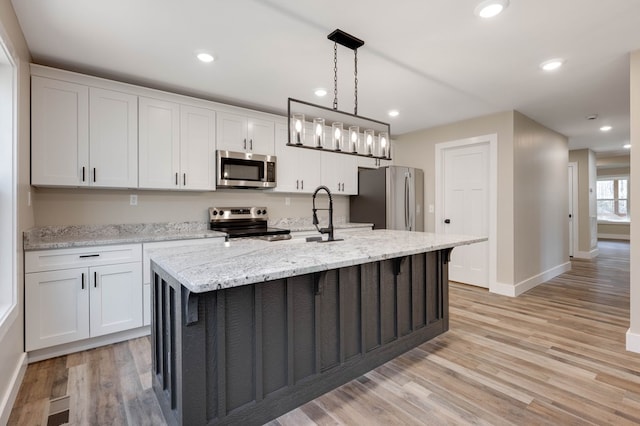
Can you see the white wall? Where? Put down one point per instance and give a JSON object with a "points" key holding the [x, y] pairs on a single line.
{"points": [[417, 149], [70, 206], [533, 233], [541, 208], [633, 336], [11, 343]]}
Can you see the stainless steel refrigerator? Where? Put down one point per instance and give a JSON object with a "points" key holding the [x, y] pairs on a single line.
{"points": [[390, 198]]}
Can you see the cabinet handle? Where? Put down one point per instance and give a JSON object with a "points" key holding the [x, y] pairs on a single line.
{"points": [[297, 184], [251, 144], [302, 184], [83, 280], [176, 178], [95, 279], [244, 146], [184, 179], [83, 174], [94, 174], [82, 256]]}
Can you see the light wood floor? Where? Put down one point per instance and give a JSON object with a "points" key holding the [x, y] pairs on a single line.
{"points": [[555, 355]]}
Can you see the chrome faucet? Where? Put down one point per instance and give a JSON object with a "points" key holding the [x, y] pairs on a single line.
{"points": [[328, 230]]}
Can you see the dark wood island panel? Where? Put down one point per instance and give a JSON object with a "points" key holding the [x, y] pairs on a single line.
{"points": [[248, 354]]}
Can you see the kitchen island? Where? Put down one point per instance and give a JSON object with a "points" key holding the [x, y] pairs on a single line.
{"points": [[246, 332]]}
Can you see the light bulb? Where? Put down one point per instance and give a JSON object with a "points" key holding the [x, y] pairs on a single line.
{"points": [[318, 130], [383, 142], [298, 125], [354, 136], [337, 134]]}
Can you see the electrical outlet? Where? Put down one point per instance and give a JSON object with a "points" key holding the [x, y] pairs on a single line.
{"points": [[133, 200], [287, 201], [431, 208]]}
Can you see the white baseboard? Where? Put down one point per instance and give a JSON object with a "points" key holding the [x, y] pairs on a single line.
{"points": [[633, 341], [83, 345], [523, 286], [586, 254], [614, 237], [502, 289], [6, 404]]}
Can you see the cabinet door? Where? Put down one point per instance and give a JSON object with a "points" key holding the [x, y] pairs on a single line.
{"points": [[159, 144], [348, 172], [59, 133], [287, 178], [116, 298], [261, 135], [231, 132], [309, 170], [197, 148], [330, 170], [56, 307], [340, 173], [113, 139]]}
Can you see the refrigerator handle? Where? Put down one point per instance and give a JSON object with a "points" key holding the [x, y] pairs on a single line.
{"points": [[406, 202]]}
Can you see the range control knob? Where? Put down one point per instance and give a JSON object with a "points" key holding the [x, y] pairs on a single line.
{"points": [[264, 211], [215, 212]]}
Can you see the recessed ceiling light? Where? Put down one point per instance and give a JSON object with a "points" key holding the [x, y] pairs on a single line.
{"points": [[491, 8], [205, 57], [394, 113], [627, 146], [606, 128], [552, 64], [320, 92]]}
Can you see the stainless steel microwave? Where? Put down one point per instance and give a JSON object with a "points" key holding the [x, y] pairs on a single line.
{"points": [[245, 170]]}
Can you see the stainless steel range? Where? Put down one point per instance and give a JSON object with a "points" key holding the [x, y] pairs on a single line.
{"points": [[245, 222]]}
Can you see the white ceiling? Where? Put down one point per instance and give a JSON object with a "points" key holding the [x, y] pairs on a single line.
{"points": [[433, 60]]}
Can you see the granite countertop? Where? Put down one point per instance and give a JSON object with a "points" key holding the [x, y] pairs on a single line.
{"points": [[242, 262], [56, 237], [70, 236]]}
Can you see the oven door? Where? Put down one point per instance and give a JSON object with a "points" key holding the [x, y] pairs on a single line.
{"points": [[245, 170]]}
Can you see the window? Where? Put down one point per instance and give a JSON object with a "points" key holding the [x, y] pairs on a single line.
{"points": [[8, 234], [613, 199]]}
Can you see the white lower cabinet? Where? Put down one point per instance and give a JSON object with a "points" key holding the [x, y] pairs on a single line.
{"points": [[75, 294], [56, 307]]}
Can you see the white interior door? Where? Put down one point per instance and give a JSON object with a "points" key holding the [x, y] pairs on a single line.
{"points": [[465, 192], [573, 204]]}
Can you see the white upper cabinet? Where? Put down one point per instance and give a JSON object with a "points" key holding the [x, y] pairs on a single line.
{"points": [[82, 136], [113, 139], [177, 146], [197, 148], [159, 144], [245, 134], [59, 133], [298, 170], [340, 173]]}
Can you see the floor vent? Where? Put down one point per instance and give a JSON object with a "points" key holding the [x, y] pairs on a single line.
{"points": [[58, 411]]}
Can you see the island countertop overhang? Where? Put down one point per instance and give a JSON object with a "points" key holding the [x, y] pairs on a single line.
{"points": [[208, 268]]}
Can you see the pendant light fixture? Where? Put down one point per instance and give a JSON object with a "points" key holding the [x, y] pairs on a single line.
{"points": [[318, 127]]}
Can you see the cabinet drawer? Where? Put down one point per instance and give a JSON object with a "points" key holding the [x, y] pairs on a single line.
{"points": [[50, 260]]}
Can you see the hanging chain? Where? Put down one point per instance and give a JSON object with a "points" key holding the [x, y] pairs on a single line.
{"points": [[335, 75], [355, 73]]}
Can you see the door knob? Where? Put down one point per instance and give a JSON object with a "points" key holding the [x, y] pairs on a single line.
{"points": [[447, 221]]}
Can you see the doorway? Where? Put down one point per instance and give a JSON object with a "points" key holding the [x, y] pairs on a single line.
{"points": [[573, 208], [466, 182]]}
